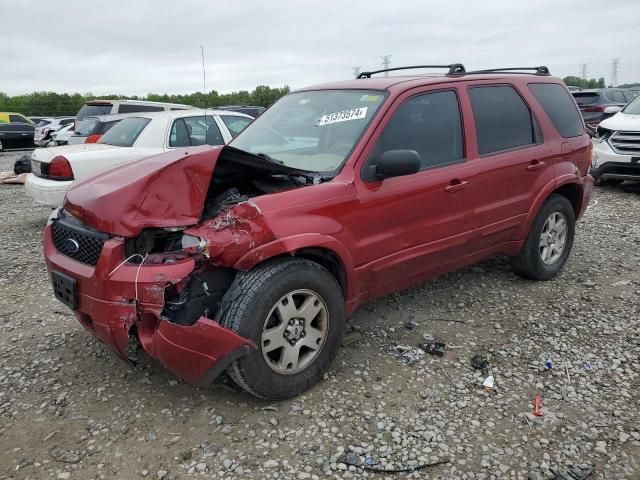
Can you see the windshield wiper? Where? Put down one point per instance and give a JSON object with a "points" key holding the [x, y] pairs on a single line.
{"points": [[269, 158]]}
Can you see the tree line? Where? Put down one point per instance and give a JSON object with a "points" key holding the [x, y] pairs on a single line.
{"points": [[59, 104]]}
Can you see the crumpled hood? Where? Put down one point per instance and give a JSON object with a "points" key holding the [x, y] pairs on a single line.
{"points": [[622, 121], [167, 190]]}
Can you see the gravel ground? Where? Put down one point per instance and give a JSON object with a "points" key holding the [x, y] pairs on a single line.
{"points": [[70, 409]]}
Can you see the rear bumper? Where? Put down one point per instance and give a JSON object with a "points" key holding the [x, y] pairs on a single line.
{"points": [[46, 192], [113, 306]]}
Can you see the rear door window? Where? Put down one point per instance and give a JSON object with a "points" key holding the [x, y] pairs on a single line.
{"points": [[557, 104], [503, 120], [66, 121], [235, 124], [132, 108], [430, 124], [87, 127], [192, 131], [126, 132]]}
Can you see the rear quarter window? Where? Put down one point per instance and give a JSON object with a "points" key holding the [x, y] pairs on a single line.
{"points": [[557, 104], [503, 120], [132, 108]]}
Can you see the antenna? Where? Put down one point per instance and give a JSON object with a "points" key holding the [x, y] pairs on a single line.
{"points": [[386, 63], [204, 85]]}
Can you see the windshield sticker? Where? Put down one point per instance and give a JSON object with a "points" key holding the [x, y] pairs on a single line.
{"points": [[343, 116], [370, 98]]}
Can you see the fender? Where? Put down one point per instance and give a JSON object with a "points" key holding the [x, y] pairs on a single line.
{"points": [[543, 194], [289, 245]]}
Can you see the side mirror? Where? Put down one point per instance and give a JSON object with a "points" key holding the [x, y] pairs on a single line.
{"points": [[395, 163], [612, 110]]}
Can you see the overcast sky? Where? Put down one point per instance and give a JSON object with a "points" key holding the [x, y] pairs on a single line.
{"points": [[142, 46]]}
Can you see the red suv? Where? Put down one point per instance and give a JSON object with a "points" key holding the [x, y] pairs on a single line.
{"points": [[250, 257]]}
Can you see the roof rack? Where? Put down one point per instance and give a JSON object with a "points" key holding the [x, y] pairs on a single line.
{"points": [[458, 69], [539, 70], [454, 68]]}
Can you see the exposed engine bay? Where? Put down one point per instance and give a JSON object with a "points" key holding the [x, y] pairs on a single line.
{"points": [[238, 177]]}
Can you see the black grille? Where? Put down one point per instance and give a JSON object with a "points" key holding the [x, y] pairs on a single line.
{"points": [[77, 241]]}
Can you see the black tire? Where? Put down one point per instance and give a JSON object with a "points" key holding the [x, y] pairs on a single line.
{"points": [[260, 290], [1, 146], [528, 262]]}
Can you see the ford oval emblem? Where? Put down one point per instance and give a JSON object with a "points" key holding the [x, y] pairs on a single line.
{"points": [[71, 245]]}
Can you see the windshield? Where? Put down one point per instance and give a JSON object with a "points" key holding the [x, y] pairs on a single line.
{"points": [[633, 107], [125, 132], [87, 126], [314, 131]]}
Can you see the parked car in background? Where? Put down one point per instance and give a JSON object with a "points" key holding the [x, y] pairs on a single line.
{"points": [[61, 136], [593, 102], [16, 135], [90, 129], [250, 257], [132, 138], [616, 148], [37, 120], [251, 110], [45, 129], [112, 107], [10, 117]]}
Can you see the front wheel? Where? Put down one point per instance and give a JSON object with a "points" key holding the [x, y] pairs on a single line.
{"points": [[547, 247], [293, 310]]}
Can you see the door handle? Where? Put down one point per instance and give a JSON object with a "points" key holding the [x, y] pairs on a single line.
{"points": [[456, 185], [535, 165]]}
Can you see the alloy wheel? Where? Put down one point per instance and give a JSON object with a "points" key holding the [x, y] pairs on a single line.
{"points": [[294, 331], [553, 238]]}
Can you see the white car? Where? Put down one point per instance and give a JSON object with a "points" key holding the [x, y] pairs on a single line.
{"points": [[133, 138], [47, 127], [616, 148], [61, 137]]}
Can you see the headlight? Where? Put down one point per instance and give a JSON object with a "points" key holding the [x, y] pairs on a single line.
{"points": [[194, 245], [169, 241]]}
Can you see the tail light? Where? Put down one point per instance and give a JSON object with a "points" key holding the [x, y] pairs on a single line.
{"points": [[60, 169], [595, 108], [92, 138]]}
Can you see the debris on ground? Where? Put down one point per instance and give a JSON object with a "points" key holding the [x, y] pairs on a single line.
{"points": [[354, 460], [480, 362], [8, 178], [570, 473], [350, 338], [411, 325], [434, 348], [489, 383], [406, 353], [537, 405]]}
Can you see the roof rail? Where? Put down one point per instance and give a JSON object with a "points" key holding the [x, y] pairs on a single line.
{"points": [[539, 70], [454, 68]]}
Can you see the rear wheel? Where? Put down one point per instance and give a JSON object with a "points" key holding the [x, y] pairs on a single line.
{"points": [[293, 310], [547, 247]]}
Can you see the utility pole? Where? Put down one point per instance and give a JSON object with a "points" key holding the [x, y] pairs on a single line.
{"points": [[356, 71], [385, 63], [583, 71], [615, 65]]}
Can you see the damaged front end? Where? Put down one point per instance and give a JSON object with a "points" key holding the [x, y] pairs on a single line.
{"points": [[164, 283]]}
